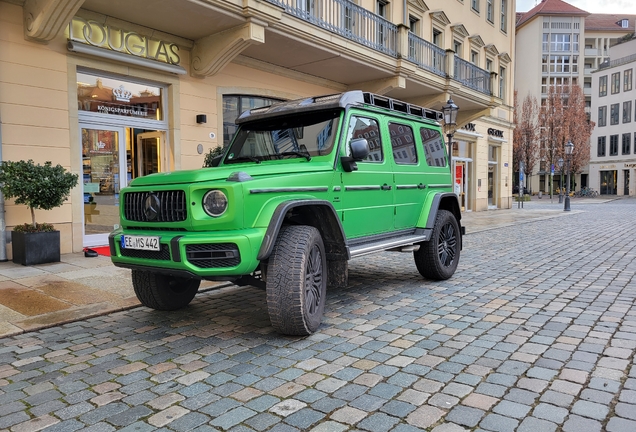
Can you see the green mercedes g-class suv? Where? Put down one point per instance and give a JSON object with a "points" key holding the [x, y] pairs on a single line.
{"points": [[303, 187]]}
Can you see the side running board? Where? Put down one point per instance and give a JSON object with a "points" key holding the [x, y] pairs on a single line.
{"points": [[394, 242]]}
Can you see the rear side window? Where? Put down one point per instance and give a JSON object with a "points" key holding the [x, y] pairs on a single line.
{"points": [[367, 128], [433, 147], [403, 144]]}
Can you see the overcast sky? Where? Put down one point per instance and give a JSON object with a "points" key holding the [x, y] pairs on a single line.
{"points": [[592, 6]]}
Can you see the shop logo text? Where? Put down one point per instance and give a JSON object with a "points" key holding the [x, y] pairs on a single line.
{"points": [[100, 35]]}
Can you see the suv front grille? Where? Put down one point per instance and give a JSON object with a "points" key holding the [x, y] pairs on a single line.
{"points": [[162, 255], [213, 255], [164, 206]]}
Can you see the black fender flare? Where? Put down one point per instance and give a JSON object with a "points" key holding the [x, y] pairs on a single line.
{"points": [[446, 201], [317, 213]]}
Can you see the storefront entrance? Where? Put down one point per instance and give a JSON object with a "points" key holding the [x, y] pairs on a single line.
{"points": [[106, 153], [608, 183], [462, 180], [123, 136]]}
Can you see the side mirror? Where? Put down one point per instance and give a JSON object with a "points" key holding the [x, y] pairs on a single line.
{"points": [[359, 149]]}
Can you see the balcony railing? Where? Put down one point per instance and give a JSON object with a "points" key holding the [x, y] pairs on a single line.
{"points": [[426, 55], [347, 19], [355, 23], [472, 76]]}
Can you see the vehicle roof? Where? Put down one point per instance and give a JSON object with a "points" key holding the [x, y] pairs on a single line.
{"points": [[343, 101]]}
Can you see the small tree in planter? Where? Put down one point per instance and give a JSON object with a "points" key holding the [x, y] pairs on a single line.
{"points": [[38, 187]]}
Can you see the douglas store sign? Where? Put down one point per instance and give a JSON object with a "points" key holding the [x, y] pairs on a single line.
{"points": [[99, 35]]}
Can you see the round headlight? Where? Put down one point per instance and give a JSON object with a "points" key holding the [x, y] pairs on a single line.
{"points": [[215, 203]]}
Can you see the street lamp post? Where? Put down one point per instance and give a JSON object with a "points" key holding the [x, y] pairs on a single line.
{"points": [[450, 125], [569, 147], [560, 165]]}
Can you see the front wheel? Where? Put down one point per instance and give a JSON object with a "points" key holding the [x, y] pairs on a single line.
{"points": [[437, 258], [163, 292], [297, 281]]}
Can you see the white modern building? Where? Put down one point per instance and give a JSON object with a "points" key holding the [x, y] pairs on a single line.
{"points": [[613, 159]]}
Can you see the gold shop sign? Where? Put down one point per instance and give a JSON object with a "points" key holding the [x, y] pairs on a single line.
{"points": [[630, 165], [115, 39], [607, 166]]}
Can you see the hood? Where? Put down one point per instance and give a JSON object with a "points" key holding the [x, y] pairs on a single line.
{"points": [[224, 171]]}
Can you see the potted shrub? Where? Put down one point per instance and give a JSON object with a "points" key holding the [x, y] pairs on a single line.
{"points": [[38, 187]]}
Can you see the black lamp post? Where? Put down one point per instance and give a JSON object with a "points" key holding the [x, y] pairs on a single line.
{"points": [[450, 125], [560, 165], [569, 147]]}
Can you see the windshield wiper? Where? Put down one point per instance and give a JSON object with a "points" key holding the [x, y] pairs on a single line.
{"points": [[243, 158], [306, 155]]}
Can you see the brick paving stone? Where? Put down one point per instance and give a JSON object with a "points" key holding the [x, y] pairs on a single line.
{"points": [[521, 396], [424, 416], [627, 411], [443, 401], [532, 424], [348, 415], [287, 407], [414, 397], [551, 413], [465, 416], [590, 409], [329, 426], [499, 423], [575, 423], [232, 418], [617, 424], [511, 409]]}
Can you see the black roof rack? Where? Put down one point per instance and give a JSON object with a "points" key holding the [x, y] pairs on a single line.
{"points": [[338, 100], [398, 105]]}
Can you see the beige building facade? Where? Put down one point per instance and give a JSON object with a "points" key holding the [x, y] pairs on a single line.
{"points": [[113, 90]]}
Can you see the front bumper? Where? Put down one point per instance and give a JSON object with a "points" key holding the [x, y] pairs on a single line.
{"points": [[192, 254]]}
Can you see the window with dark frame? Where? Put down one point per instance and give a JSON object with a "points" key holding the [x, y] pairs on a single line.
{"points": [[475, 5], [600, 149], [614, 108], [235, 105], [627, 111], [602, 86], [613, 150], [627, 144], [616, 82], [602, 116], [628, 79]]}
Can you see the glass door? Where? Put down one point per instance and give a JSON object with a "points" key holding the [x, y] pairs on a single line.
{"points": [[102, 163], [149, 145]]}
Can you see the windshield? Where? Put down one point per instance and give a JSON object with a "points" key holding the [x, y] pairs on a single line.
{"points": [[299, 136]]}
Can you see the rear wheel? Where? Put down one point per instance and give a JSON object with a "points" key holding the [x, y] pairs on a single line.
{"points": [[437, 258], [297, 281], [163, 292]]}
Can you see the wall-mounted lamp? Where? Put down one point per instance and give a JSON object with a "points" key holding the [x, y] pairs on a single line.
{"points": [[202, 118]]}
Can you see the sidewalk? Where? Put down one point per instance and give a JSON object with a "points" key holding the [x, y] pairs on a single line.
{"points": [[76, 288]]}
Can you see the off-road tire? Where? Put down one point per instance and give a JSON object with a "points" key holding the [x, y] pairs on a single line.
{"points": [[297, 281], [437, 258], [163, 292]]}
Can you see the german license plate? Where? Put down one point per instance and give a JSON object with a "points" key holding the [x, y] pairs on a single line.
{"points": [[149, 243]]}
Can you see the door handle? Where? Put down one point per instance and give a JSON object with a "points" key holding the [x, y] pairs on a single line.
{"points": [[421, 186], [386, 187]]}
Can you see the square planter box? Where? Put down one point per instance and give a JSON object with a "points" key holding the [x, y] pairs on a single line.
{"points": [[35, 248]]}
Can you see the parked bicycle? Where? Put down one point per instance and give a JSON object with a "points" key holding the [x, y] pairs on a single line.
{"points": [[586, 192]]}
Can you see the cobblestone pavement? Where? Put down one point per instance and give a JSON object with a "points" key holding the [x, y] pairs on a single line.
{"points": [[535, 332]]}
